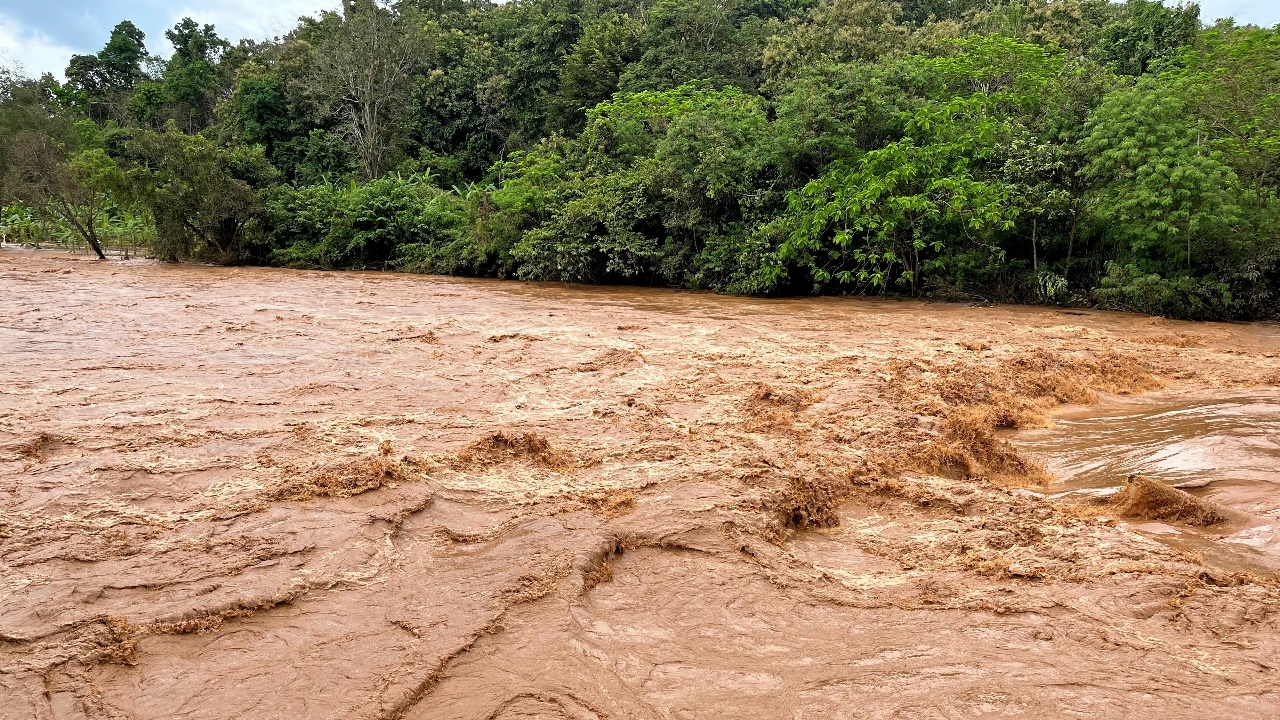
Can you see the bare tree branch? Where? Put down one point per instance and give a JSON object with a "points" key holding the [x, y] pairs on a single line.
{"points": [[362, 74]]}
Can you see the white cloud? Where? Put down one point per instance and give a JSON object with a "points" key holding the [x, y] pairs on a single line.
{"points": [[237, 19], [35, 52], [30, 45]]}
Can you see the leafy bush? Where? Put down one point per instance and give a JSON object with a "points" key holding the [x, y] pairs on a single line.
{"points": [[1125, 287], [364, 226]]}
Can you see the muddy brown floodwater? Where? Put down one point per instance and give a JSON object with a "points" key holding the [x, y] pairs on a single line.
{"points": [[1221, 445], [256, 493]]}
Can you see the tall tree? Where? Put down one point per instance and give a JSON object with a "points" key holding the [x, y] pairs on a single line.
{"points": [[362, 74], [591, 71], [122, 58], [191, 84], [541, 36], [838, 31], [191, 77], [101, 83], [1165, 189], [714, 41], [1149, 32]]}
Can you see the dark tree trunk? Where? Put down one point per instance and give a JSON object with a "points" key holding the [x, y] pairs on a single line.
{"points": [[92, 237]]}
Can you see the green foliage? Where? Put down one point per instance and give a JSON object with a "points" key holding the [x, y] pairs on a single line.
{"points": [[360, 75], [1185, 169], [536, 36], [653, 180], [317, 157], [192, 80], [902, 211], [258, 110], [1231, 88], [878, 224], [1075, 26], [193, 44], [188, 89], [1165, 190], [836, 31], [19, 224], [63, 175], [457, 127], [122, 58], [832, 113], [1046, 151], [591, 236], [99, 84], [1129, 288], [592, 69], [718, 42], [126, 230], [1149, 32], [202, 195], [920, 12], [366, 226]]}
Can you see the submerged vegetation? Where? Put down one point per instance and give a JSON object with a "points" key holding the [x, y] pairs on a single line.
{"points": [[1052, 151]]}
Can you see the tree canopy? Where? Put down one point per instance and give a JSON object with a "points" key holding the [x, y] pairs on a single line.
{"points": [[1044, 151]]}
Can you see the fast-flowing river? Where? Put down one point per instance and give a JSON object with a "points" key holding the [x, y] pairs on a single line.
{"points": [[1221, 445], [260, 493]]}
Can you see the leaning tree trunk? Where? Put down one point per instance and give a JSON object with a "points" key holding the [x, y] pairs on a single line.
{"points": [[86, 229], [92, 237]]}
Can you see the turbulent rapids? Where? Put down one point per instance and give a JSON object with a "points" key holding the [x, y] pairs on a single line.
{"points": [[256, 493]]}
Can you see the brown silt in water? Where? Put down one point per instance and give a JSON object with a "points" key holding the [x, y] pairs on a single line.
{"points": [[256, 493]]}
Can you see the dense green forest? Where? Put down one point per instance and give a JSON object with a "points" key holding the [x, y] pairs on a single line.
{"points": [[1050, 151]]}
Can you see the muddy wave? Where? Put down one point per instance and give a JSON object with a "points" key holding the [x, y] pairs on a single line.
{"points": [[244, 492]]}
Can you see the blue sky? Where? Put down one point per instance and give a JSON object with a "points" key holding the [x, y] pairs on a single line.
{"points": [[41, 35]]}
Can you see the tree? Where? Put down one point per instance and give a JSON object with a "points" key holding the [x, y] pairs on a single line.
{"points": [[591, 71], [1149, 32], [455, 124], [1164, 188], [876, 224], [193, 43], [935, 197], [1185, 167], [192, 82], [1073, 25], [53, 166], [654, 188], [837, 31], [101, 83], [362, 72], [834, 113], [10, 78], [714, 41], [1231, 85], [258, 111], [203, 196], [536, 37], [122, 57], [1033, 170], [71, 188], [920, 12]]}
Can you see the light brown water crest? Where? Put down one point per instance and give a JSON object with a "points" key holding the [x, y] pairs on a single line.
{"points": [[1221, 445], [255, 493]]}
